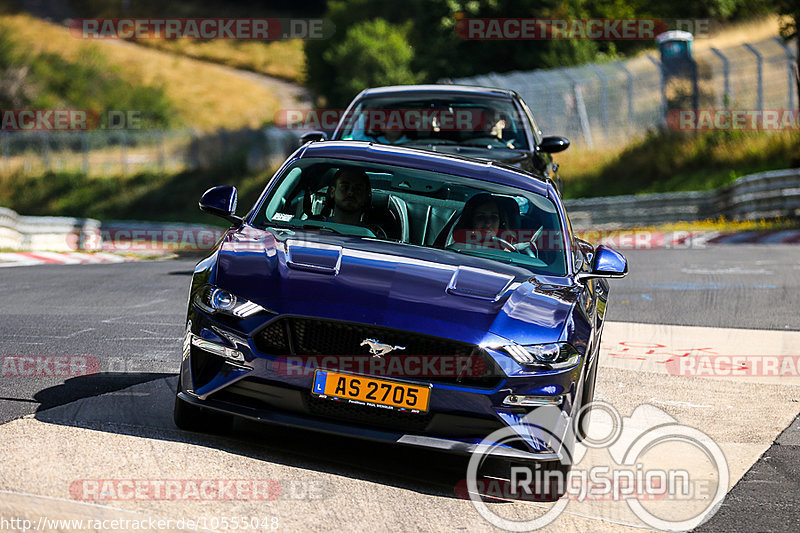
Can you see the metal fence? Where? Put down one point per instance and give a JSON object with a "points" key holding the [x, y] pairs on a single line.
{"points": [[603, 103], [770, 194], [129, 152]]}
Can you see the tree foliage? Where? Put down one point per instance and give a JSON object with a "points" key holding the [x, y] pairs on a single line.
{"points": [[373, 52], [437, 51]]}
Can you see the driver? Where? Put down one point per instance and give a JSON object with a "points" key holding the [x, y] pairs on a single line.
{"points": [[350, 196]]}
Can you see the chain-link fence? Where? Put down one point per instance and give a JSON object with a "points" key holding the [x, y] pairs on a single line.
{"points": [[603, 103], [129, 152]]}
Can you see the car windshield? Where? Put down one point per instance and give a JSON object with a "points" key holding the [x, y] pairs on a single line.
{"points": [[417, 207], [435, 120]]}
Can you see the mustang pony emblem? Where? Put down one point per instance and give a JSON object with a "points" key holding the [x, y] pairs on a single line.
{"points": [[378, 349]]}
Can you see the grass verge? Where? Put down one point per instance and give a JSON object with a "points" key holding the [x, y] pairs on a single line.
{"points": [[669, 161], [280, 59], [143, 196], [203, 95]]}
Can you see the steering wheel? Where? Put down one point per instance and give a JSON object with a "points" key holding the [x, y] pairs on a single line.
{"points": [[530, 247], [507, 246]]}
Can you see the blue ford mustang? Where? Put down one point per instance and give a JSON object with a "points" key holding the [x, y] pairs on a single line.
{"points": [[398, 295]]}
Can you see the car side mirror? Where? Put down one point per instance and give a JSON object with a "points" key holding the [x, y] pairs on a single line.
{"points": [[551, 145], [313, 136], [606, 263], [221, 202]]}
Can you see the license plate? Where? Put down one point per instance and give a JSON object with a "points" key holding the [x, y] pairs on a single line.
{"points": [[364, 390]]}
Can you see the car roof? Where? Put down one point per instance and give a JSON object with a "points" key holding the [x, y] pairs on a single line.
{"points": [[427, 160], [465, 90]]}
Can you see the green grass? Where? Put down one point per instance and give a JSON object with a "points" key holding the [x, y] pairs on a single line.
{"points": [[144, 196], [660, 162], [676, 161], [201, 95], [89, 81]]}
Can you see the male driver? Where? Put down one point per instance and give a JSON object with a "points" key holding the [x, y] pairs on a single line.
{"points": [[351, 195]]}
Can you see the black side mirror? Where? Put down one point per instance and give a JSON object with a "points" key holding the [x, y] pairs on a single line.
{"points": [[221, 202], [551, 145], [313, 136]]}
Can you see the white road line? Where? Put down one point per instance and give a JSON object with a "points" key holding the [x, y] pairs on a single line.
{"points": [[677, 404], [13, 259]]}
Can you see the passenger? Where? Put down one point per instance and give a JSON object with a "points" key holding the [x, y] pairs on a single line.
{"points": [[392, 136], [484, 217]]}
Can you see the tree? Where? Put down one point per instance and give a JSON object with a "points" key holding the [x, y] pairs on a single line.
{"points": [[373, 53], [790, 11]]}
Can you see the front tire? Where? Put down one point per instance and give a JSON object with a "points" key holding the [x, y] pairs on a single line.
{"points": [[587, 397]]}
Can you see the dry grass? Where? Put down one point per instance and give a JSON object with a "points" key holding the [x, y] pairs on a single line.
{"points": [[732, 226], [674, 161], [204, 96], [282, 59], [751, 31]]}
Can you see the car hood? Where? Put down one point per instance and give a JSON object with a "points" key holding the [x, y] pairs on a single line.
{"points": [[427, 290]]}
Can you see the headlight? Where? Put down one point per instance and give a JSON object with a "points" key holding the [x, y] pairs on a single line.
{"points": [[222, 300], [552, 356], [216, 300]]}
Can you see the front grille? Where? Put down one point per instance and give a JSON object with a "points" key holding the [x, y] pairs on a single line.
{"points": [[272, 339], [309, 337]]}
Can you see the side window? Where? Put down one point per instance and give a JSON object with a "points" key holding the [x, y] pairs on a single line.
{"points": [[278, 203]]}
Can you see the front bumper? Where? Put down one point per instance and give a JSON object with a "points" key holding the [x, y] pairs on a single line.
{"points": [[333, 427], [459, 417]]}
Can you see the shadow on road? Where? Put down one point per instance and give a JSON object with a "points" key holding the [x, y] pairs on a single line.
{"points": [[141, 405]]}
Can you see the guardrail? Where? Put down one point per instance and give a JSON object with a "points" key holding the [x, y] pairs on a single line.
{"points": [[42, 233], [769, 194]]}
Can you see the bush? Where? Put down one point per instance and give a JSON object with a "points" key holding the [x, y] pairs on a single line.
{"points": [[373, 53]]}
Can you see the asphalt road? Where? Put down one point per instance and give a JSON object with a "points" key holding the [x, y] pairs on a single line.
{"points": [[128, 320], [130, 317], [738, 286]]}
